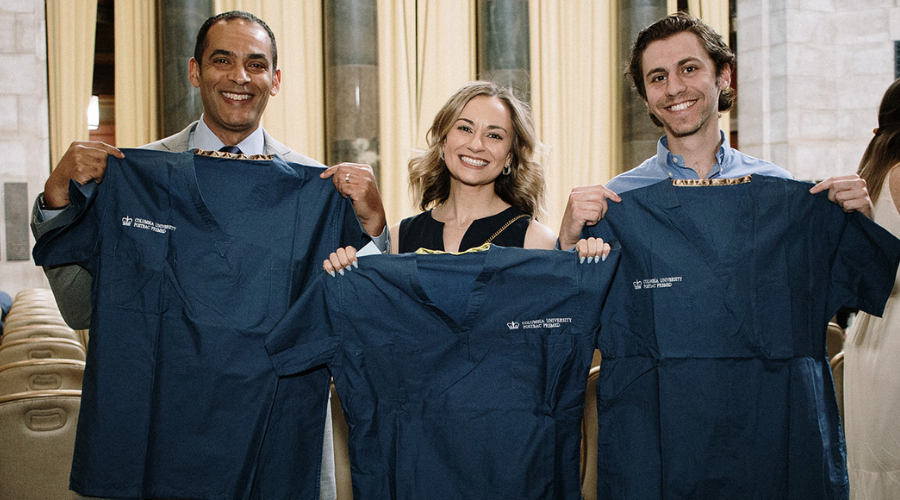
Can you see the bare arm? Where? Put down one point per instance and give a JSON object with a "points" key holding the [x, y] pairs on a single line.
{"points": [[539, 236]]}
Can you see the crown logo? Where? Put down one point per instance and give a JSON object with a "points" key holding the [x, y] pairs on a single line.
{"points": [[513, 325], [126, 221], [637, 284]]}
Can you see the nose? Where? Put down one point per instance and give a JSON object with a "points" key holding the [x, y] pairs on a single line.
{"points": [[476, 143], [674, 84], [238, 75]]}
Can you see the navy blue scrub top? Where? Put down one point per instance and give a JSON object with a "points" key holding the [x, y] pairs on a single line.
{"points": [[472, 386], [194, 258], [715, 381]]}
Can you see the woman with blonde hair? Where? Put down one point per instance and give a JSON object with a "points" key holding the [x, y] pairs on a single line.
{"points": [[479, 181]]}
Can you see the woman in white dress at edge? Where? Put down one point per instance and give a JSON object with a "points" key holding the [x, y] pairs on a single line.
{"points": [[872, 348]]}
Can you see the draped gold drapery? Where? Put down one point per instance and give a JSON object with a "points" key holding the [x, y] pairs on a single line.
{"points": [[574, 87], [71, 25], [137, 116], [426, 52]]}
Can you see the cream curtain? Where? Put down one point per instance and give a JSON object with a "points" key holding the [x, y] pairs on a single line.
{"points": [[574, 82], [137, 119], [70, 60], [397, 101], [426, 52], [296, 115]]}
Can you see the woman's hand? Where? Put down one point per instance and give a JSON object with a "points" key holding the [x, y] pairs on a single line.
{"points": [[592, 250], [340, 259]]}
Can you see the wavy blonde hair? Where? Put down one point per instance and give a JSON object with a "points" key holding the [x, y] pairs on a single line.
{"points": [[524, 188]]}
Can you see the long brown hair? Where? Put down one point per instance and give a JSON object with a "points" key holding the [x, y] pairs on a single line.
{"points": [[524, 188], [883, 151]]}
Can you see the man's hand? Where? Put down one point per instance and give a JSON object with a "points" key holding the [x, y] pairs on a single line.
{"points": [[847, 191], [586, 205], [357, 182], [83, 162]]}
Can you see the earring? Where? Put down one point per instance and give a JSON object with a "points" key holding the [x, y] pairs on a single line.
{"points": [[507, 169], [442, 156]]}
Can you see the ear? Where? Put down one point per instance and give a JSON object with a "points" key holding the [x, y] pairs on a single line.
{"points": [[276, 82], [725, 77], [194, 72]]}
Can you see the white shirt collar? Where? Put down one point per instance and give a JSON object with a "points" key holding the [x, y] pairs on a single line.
{"points": [[204, 138]]}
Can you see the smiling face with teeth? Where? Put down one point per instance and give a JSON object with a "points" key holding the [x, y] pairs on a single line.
{"points": [[478, 146], [682, 87], [235, 78]]}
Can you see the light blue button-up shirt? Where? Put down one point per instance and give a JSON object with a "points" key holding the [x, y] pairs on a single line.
{"points": [[204, 138], [730, 163]]}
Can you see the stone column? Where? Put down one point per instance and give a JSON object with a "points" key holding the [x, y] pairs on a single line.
{"points": [[179, 21], [351, 82], [639, 134], [503, 45]]}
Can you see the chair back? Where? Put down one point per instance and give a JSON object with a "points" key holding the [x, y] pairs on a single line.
{"points": [[837, 374], [41, 375], [38, 430], [41, 348], [31, 318], [341, 435], [834, 339], [589, 434], [40, 331]]}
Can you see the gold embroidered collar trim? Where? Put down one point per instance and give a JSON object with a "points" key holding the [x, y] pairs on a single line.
{"points": [[233, 156], [712, 182], [482, 248]]}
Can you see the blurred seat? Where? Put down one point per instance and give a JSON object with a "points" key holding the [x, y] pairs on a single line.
{"points": [[40, 331], [834, 339], [23, 319], [837, 373], [41, 375], [41, 308], [589, 432], [38, 430], [40, 348], [341, 436], [34, 294], [33, 299]]}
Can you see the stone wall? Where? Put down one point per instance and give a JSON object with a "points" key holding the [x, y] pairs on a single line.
{"points": [[24, 137], [811, 74]]}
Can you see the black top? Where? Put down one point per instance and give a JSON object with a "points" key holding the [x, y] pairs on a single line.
{"points": [[422, 231]]}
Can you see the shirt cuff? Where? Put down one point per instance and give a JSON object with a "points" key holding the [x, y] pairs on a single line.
{"points": [[383, 241], [43, 213]]}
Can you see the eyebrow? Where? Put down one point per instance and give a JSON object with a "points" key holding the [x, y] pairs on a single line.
{"points": [[490, 127]]}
